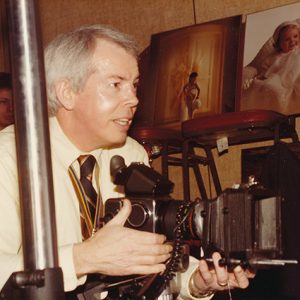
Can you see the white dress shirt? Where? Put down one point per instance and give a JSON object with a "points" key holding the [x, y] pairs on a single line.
{"points": [[63, 153]]}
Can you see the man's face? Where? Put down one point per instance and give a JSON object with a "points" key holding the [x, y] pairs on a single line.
{"points": [[104, 109], [290, 39], [6, 108]]}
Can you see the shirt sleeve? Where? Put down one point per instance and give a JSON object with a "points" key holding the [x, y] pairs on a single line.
{"points": [[11, 253], [11, 256], [71, 281]]}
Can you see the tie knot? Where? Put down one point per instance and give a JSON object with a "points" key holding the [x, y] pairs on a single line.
{"points": [[87, 163]]}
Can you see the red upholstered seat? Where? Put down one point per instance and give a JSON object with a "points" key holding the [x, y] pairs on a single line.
{"points": [[239, 127], [162, 142], [146, 133]]}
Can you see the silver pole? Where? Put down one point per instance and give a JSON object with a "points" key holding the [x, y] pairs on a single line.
{"points": [[32, 137]]}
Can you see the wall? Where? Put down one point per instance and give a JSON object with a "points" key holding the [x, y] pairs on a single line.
{"points": [[142, 19], [138, 18]]}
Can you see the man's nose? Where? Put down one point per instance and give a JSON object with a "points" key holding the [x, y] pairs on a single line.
{"points": [[131, 97]]}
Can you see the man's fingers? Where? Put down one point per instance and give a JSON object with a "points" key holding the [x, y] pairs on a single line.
{"points": [[142, 237], [153, 250], [144, 249], [221, 272], [206, 274], [241, 277], [136, 236], [250, 274], [122, 215], [149, 259], [218, 279], [145, 269]]}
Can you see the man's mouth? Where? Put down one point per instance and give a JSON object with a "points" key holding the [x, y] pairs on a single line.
{"points": [[123, 122]]}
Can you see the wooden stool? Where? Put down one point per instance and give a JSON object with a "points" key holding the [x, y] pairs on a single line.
{"points": [[166, 142], [162, 142], [239, 128]]}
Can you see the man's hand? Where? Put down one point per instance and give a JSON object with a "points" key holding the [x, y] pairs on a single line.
{"points": [[207, 280], [117, 250]]}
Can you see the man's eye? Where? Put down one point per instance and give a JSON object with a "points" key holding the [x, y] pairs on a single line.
{"points": [[115, 84]]}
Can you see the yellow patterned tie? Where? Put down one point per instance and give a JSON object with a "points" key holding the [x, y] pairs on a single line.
{"points": [[87, 163], [89, 202]]}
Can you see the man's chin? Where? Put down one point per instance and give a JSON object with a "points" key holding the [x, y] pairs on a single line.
{"points": [[117, 143]]}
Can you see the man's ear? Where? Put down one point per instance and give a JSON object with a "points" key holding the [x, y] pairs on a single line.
{"points": [[65, 94]]}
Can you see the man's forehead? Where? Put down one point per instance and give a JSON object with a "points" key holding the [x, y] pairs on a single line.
{"points": [[111, 57], [107, 48]]}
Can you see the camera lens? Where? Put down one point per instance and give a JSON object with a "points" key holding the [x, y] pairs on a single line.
{"points": [[139, 215]]}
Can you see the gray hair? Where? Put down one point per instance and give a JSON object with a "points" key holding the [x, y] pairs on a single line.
{"points": [[68, 57]]}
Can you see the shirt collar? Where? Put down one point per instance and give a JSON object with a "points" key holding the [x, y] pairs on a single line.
{"points": [[66, 150]]}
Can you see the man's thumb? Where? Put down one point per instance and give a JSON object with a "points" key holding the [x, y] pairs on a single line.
{"points": [[121, 217]]}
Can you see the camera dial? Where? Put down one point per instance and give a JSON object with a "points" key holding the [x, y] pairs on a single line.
{"points": [[139, 215]]}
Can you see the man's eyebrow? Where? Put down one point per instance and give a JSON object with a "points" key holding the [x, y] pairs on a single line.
{"points": [[123, 78], [116, 77]]}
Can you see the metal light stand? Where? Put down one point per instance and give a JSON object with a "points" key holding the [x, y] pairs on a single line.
{"points": [[42, 278]]}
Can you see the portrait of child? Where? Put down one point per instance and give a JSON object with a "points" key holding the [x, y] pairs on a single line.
{"points": [[272, 79]]}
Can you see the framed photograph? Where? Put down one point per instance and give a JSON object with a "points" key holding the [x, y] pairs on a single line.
{"points": [[192, 72], [271, 60], [4, 41]]}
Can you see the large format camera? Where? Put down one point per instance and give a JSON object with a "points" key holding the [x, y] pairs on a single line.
{"points": [[243, 224]]}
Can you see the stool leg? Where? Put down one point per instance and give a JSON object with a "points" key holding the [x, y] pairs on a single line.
{"points": [[164, 160], [185, 171], [213, 170], [198, 176], [277, 134], [294, 135], [189, 160]]}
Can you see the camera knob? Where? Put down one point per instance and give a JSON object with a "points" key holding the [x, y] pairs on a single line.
{"points": [[139, 215]]}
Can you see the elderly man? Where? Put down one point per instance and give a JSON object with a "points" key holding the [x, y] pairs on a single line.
{"points": [[92, 75]]}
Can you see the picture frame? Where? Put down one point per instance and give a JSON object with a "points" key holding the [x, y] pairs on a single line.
{"points": [[269, 76], [210, 49], [4, 39]]}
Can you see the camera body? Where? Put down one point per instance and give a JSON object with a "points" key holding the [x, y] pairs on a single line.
{"points": [[148, 214], [158, 215], [243, 223]]}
